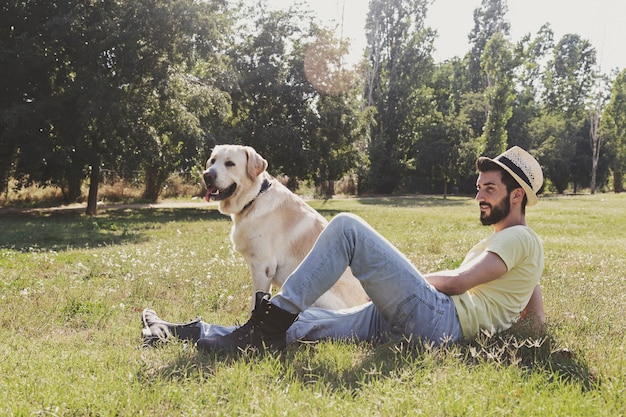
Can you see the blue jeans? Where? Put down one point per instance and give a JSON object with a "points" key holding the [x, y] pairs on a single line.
{"points": [[404, 305]]}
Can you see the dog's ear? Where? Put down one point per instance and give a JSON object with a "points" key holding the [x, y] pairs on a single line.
{"points": [[256, 163], [208, 161]]}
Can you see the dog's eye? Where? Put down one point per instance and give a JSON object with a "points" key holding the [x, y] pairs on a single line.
{"points": [[211, 161], [229, 164]]}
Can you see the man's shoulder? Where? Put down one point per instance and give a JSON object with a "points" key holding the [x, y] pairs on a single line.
{"points": [[517, 231], [519, 234]]}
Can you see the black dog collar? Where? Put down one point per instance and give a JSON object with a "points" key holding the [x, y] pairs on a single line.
{"points": [[266, 184]]}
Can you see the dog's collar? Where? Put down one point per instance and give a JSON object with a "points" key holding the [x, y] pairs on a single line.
{"points": [[266, 184]]}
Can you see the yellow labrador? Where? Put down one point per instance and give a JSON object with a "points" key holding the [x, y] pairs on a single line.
{"points": [[272, 227]]}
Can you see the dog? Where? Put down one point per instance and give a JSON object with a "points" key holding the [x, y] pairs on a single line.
{"points": [[273, 228]]}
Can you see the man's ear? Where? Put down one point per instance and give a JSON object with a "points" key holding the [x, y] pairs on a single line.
{"points": [[518, 194]]}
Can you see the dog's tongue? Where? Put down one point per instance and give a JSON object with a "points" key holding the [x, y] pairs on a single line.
{"points": [[209, 191]]}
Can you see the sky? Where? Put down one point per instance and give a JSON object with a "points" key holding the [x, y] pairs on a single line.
{"points": [[602, 22]]}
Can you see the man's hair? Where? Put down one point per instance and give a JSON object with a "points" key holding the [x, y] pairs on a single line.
{"points": [[484, 164]]}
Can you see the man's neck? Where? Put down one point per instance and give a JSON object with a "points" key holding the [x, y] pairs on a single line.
{"points": [[510, 220]]}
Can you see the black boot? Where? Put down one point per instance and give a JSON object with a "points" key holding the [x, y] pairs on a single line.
{"points": [[158, 330], [266, 329]]}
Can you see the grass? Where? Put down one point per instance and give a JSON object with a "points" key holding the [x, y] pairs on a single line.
{"points": [[72, 289]]}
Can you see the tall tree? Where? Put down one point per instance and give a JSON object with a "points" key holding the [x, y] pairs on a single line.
{"points": [[26, 63], [570, 76], [273, 101], [568, 86], [614, 128], [489, 19], [174, 100], [399, 65], [477, 103], [81, 102], [531, 55], [442, 150], [595, 109], [547, 131], [596, 139], [341, 119], [498, 65], [340, 125]]}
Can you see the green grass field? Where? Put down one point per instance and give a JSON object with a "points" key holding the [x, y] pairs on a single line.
{"points": [[72, 289]]}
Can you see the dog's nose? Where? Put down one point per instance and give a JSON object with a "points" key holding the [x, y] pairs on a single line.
{"points": [[209, 176]]}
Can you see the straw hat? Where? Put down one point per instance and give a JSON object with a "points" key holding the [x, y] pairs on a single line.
{"points": [[524, 169]]}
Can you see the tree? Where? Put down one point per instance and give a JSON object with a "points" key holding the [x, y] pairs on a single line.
{"points": [[547, 131], [444, 132], [497, 64], [273, 102], [106, 67], [614, 128], [488, 20], [444, 150], [399, 65], [341, 120], [596, 135], [570, 76], [333, 152], [531, 56], [479, 97], [171, 128], [568, 84], [26, 63], [83, 100], [174, 100]]}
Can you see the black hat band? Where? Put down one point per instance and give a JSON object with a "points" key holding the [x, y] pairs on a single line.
{"points": [[516, 169]]}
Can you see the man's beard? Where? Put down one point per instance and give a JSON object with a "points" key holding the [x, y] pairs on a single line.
{"points": [[497, 213]]}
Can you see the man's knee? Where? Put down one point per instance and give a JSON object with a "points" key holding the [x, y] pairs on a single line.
{"points": [[343, 220]]}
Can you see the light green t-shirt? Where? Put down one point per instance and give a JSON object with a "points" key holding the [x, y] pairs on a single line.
{"points": [[496, 305]]}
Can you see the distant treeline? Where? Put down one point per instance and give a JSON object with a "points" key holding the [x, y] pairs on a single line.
{"points": [[153, 85]]}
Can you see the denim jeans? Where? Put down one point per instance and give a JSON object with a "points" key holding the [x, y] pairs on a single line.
{"points": [[403, 304]]}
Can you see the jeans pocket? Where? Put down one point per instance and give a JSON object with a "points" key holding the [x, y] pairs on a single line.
{"points": [[417, 316]]}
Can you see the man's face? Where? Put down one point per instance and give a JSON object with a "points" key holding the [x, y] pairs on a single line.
{"points": [[492, 197]]}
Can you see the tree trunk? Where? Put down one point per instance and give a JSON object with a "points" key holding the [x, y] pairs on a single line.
{"points": [[7, 156], [154, 179], [74, 183], [618, 181], [94, 180], [596, 145]]}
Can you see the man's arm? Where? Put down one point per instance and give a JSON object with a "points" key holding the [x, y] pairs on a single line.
{"points": [[485, 268]]}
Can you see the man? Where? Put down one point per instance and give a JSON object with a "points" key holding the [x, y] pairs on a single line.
{"points": [[497, 282]]}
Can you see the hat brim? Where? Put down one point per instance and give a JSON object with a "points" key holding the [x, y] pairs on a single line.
{"points": [[530, 194]]}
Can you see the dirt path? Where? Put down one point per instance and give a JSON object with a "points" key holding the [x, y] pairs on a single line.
{"points": [[81, 207]]}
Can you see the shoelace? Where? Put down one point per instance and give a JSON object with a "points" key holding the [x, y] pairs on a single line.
{"points": [[247, 328]]}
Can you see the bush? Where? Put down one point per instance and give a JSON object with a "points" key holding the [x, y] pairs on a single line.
{"points": [[33, 195]]}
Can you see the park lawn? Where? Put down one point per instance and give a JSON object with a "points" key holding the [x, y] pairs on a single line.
{"points": [[72, 289]]}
